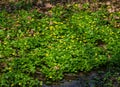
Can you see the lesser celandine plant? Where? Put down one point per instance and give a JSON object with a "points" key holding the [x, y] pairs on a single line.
{"points": [[68, 41]]}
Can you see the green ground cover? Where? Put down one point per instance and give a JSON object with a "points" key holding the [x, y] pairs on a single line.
{"points": [[68, 40]]}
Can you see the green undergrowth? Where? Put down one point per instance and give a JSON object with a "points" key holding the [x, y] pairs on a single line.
{"points": [[68, 40]]}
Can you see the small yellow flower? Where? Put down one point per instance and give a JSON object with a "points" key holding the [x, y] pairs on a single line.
{"points": [[34, 35], [42, 33], [61, 23], [111, 33], [55, 22], [17, 21], [20, 83], [104, 16], [46, 28], [96, 58], [72, 40], [72, 37], [62, 36], [76, 5], [95, 54], [46, 54], [84, 41], [28, 22], [50, 77], [55, 36], [77, 38], [32, 19], [69, 47], [38, 27], [59, 46], [51, 27], [13, 53], [10, 68], [12, 85], [50, 11], [64, 42], [49, 46]]}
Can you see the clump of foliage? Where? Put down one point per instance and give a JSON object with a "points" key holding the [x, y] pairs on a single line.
{"points": [[68, 41]]}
